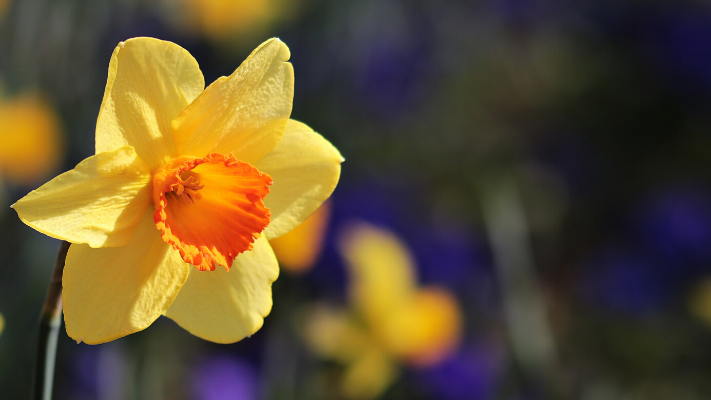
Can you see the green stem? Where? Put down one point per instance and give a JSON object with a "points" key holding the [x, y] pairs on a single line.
{"points": [[529, 332], [50, 321]]}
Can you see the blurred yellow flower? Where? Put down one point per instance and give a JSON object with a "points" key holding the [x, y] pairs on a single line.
{"points": [[391, 320], [4, 4], [224, 19], [2, 323], [701, 301], [297, 250], [30, 138], [181, 177]]}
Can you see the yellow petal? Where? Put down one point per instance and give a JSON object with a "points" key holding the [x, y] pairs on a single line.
{"points": [[297, 250], [112, 292], [150, 82], [100, 202], [245, 113], [382, 276], [225, 307], [2, 323], [368, 377], [425, 331], [305, 169], [334, 334], [30, 138]]}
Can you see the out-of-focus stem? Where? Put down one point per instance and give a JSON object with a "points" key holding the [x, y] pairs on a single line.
{"points": [[531, 340], [50, 321]]}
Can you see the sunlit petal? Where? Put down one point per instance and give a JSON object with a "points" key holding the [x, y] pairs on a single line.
{"points": [[150, 82], [245, 113], [112, 292], [223, 306], [100, 202], [305, 168]]}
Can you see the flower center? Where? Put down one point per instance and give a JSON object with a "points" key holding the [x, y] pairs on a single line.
{"points": [[188, 188], [210, 209]]}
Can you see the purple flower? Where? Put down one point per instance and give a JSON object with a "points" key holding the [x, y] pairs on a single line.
{"points": [[471, 374], [224, 378]]}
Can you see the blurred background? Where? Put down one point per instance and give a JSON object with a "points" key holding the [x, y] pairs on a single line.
{"points": [[524, 211]]}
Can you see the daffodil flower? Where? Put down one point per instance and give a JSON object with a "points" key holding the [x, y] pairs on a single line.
{"points": [[391, 320], [30, 139], [4, 4], [700, 301], [183, 176], [225, 19]]}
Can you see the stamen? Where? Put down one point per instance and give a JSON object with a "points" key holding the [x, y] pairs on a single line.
{"points": [[188, 188]]}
